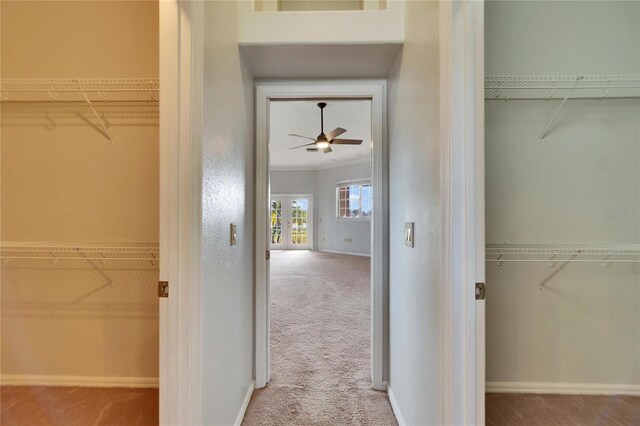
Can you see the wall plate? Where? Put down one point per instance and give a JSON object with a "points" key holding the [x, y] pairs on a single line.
{"points": [[232, 234], [408, 234]]}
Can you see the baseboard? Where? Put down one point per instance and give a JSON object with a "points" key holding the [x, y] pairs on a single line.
{"points": [[85, 381], [245, 404], [344, 252], [562, 388], [394, 407]]}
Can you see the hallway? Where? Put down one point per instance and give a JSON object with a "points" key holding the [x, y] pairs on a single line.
{"points": [[320, 344]]}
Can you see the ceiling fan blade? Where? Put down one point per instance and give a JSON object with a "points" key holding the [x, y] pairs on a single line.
{"points": [[326, 150], [300, 136], [312, 149], [346, 141], [301, 146], [335, 133]]}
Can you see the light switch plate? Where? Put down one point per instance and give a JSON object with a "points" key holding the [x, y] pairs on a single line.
{"points": [[232, 234], [408, 234]]}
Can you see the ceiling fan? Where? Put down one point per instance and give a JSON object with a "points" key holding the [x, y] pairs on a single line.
{"points": [[324, 141]]}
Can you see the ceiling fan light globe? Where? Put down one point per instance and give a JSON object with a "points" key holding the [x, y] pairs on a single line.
{"points": [[322, 144]]}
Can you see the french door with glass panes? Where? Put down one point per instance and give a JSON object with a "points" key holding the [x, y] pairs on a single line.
{"points": [[291, 222]]}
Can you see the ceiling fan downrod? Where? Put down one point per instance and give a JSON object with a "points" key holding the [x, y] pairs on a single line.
{"points": [[321, 105]]}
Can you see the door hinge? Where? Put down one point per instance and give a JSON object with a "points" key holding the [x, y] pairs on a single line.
{"points": [[163, 288], [268, 254], [480, 291]]}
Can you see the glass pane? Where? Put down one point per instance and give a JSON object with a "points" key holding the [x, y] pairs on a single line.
{"points": [[354, 207], [299, 213], [367, 200], [276, 222]]}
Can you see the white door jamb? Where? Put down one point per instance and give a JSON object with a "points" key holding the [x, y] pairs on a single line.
{"points": [[181, 81], [375, 90], [462, 178]]}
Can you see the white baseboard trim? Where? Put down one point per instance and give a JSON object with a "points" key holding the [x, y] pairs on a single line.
{"points": [[85, 381], [245, 404], [563, 388], [344, 252], [394, 407]]}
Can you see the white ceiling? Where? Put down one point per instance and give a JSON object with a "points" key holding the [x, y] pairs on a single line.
{"points": [[303, 118]]}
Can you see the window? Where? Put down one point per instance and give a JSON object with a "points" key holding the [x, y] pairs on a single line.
{"points": [[354, 200]]}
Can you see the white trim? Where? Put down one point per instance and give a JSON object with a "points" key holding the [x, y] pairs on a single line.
{"points": [[462, 189], [395, 408], [332, 165], [345, 252], [181, 81], [360, 180], [245, 404], [563, 388], [376, 91], [84, 381], [477, 57]]}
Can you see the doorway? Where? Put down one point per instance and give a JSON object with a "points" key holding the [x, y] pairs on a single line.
{"points": [[372, 91], [291, 222]]}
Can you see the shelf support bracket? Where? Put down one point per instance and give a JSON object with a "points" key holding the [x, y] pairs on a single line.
{"points": [[97, 269], [557, 271], [545, 132], [101, 122]]}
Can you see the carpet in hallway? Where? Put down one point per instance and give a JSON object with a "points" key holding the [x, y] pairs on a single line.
{"points": [[320, 345]]}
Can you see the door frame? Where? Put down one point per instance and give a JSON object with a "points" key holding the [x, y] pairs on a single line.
{"points": [[310, 217], [376, 91], [181, 98], [463, 233], [461, 90]]}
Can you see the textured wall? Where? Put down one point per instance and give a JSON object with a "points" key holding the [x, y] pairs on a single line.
{"points": [[228, 197], [584, 327], [414, 189], [62, 181]]}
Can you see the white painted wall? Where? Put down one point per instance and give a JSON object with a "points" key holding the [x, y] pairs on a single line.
{"points": [[584, 327], [332, 232], [414, 189], [329, 232], [62, 181], [295, 28], [228, 197]]}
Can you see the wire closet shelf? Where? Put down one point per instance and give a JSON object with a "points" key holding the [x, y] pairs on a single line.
{"points": [[101, 253], [80, 90], [501, 253], [562, 86]]}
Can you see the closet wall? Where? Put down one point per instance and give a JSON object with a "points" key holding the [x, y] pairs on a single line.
{"points": [[64, 183], [552, 326]]}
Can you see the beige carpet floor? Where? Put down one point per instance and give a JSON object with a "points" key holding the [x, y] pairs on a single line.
{"points": [[320, 345]]}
